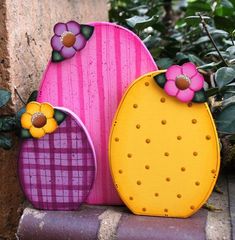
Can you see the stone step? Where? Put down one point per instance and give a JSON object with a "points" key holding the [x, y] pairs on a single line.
{"points": [[114, 222]]}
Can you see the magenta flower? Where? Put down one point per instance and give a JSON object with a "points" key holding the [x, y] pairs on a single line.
{"points": [[68, 39], [183, 81]]}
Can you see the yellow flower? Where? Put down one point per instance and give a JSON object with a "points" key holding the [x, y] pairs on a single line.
{"points": [[38, 119]]}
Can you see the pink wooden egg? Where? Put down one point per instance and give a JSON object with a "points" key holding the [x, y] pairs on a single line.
{"points": [[57, 171], [91, 84]]}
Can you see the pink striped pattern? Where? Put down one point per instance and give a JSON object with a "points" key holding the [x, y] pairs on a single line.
{"points": [[91, 84]]}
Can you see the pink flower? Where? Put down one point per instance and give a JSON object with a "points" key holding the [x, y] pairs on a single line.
{"points": [[68, 39], [183, 81]]}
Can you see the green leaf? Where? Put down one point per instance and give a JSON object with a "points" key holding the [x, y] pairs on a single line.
{"points": [[211, 92], [87, 31], [225, 120], [141, 22], [200, 96], [164, 63], [5, 142], [224, 23], [209, 65], [18, 116], [33, 96], [160, 80], [201, 40], [7, 123], [4, 97], [59, 116], [56, 57], [224, 75], [195, 59], [25, 134], [231, 51]]}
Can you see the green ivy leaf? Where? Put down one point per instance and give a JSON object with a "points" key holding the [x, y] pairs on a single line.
{"points": [[33, 96], [25, 134], [59, 116], [87, 31], [160, 80], [7, 123], [225, 120], [5, 142], [224, 75], [4, 97], [56, 57], [200, 96]]}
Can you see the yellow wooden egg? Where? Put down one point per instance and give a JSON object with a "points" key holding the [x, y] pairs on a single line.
{"points": [[164, 154]]}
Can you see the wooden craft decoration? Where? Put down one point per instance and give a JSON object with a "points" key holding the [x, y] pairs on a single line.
{"points": [[164, 151], [58, 169], [90, 80]]}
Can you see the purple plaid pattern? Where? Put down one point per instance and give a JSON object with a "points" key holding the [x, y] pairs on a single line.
{"points": [[57, 171]]}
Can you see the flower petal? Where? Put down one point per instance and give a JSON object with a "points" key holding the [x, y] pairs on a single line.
{"points": [[170, 88], [173, 71], [60, 28], [67, 52], [37, 132], [189, 69], [26, 120], [197, 82], [50, 126], [47, 110], [56, 43], [33, 107], [73, 27], [80, 42], [185, 95]]}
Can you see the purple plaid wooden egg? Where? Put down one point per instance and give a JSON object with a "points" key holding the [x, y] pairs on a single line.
{"points": [[57, 171]]}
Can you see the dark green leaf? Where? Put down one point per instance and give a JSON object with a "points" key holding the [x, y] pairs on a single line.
{"points": [[160, 79], [224, 76], [25, 134], [224, 23], [87, 31], [225, 120], [18, 116], [5, 142], [164, 63], [56, 57], [4, 97], [33, 96], [7, 123], [211, 92], [200, 96], [59, 116], [195, 59]]}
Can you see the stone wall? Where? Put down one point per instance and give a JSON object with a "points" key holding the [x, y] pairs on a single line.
{"points": [[26, 27]]}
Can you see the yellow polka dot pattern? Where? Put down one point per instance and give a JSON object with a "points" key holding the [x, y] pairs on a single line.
{"points": [[166, 159]]}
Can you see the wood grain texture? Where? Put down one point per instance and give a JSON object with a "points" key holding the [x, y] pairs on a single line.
{"points": [[91, 84]]}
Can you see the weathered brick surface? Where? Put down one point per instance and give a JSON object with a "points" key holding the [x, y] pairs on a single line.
{"points": [[159, 228], [60, 225], [26, 27], [108, 223]]}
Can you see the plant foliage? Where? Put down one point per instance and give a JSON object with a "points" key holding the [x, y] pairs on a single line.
{"points": [[200, 31]]}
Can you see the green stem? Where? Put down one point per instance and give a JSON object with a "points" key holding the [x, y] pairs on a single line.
{"points": [[212, 40]]}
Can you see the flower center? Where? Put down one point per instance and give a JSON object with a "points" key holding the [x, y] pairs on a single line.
{"points": [[68, 39], [39, 120], [182, 82]]}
